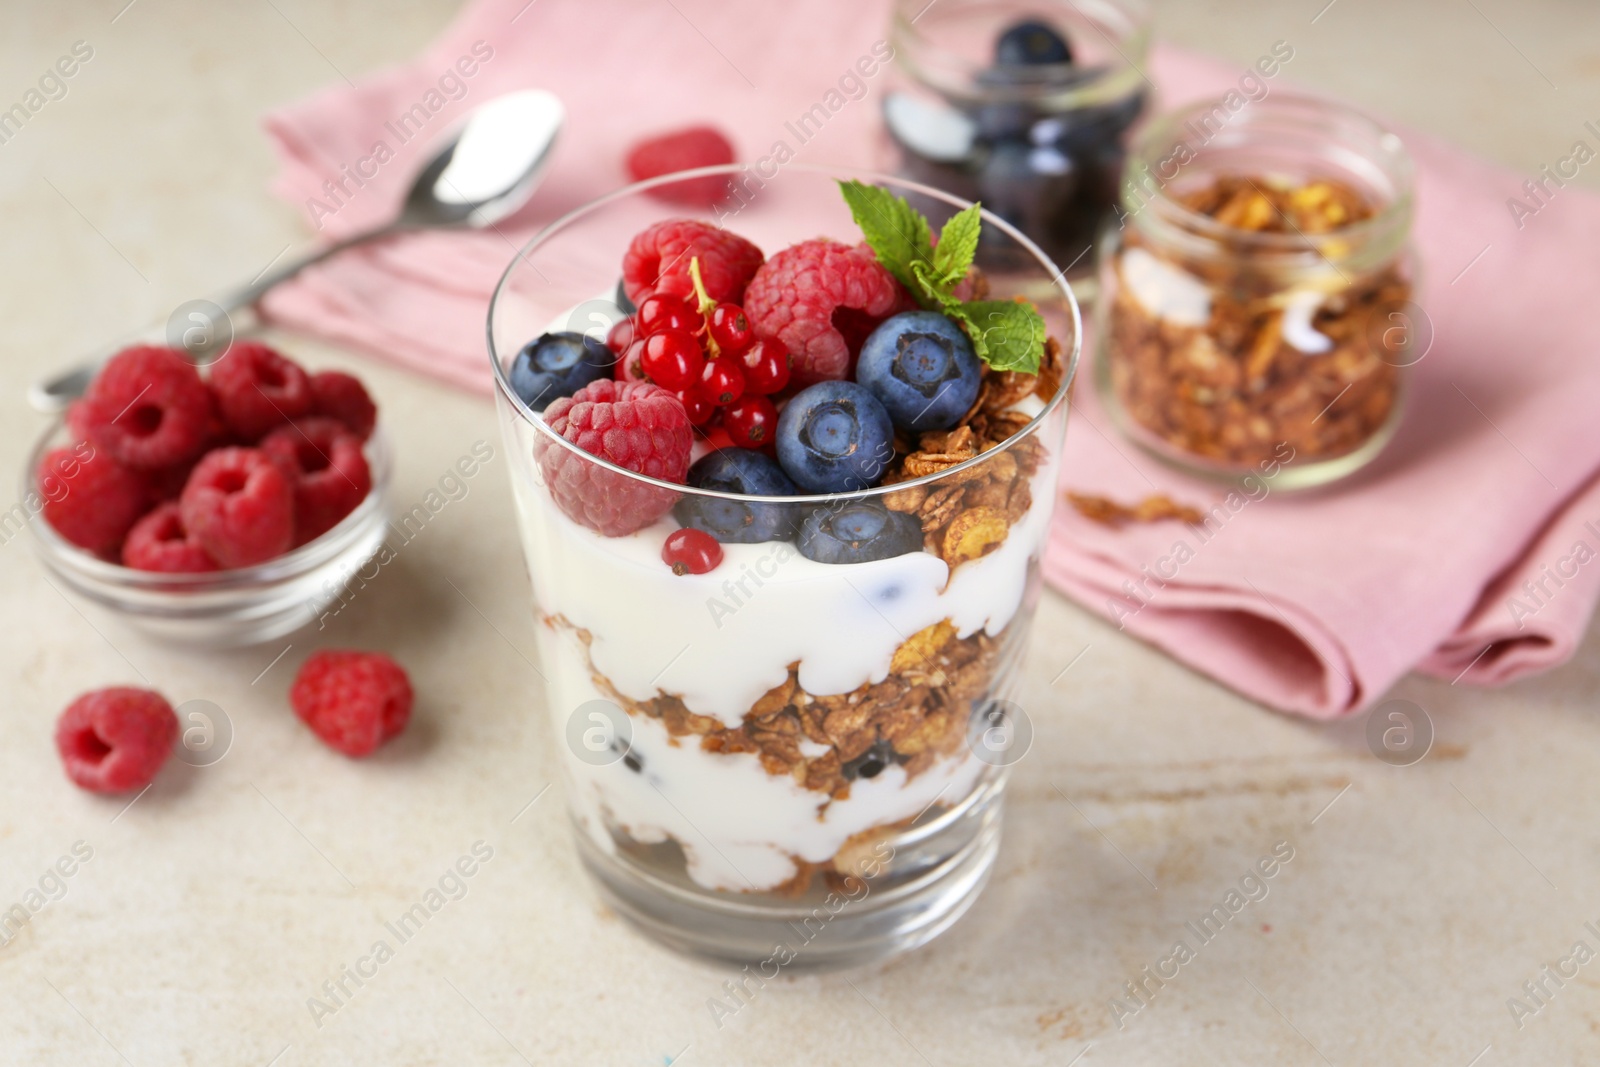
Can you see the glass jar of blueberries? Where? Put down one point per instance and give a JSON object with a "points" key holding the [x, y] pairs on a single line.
{"points": [[1022, 106]]}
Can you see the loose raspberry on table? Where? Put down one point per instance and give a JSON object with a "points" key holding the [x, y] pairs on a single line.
{"points": [[159, 542], [326, 468], [89, 498], [115, 740], [819, 297], [341, 396], [636, 425], [686, 149], [657, 261], [354, 701], [258, 389], [239, 506], [146, 408]]}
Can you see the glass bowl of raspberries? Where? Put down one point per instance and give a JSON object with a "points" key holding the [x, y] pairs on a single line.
{"points": [[784, 466], [221, 508]]}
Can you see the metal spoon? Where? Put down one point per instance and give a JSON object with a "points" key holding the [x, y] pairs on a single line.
{"points": [[482, 172]]}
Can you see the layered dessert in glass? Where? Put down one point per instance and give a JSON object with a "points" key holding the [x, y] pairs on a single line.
{"points": [[783, 492]]}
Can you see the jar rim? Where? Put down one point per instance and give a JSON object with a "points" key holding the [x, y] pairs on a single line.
{"points": [[1125, 25], [1071, 348], [1386, 152]]}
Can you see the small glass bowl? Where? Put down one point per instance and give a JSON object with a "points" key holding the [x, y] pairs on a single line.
{"points": [[221, 609]]}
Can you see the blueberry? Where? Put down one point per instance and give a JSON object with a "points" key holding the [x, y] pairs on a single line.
{"points": [[834, 437], [870, 763], [1031, 43], [559, 364], [628, 306], [922, 367], [858, 532], [738, 470]]}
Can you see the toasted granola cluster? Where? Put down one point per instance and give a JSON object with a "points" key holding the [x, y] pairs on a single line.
{"points": [[970, 515], [914, 717], [1236, 389]]}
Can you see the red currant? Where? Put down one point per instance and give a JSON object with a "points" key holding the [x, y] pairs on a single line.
{"points": [[766, 366], [691, 551], [621, 335], [697, 407], [663, 311], [672, 359], [629, 368], [752, 421], [730, 328], [717, 437], [722, 382]]}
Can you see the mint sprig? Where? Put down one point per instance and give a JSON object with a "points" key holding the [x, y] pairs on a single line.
{"points": [[1008, 336]]}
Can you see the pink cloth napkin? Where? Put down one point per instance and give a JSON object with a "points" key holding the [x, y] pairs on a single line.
{"points": [[1466, 550]]}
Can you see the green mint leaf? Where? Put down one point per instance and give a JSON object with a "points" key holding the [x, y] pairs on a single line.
{"points": [[1006, 335], [897, 232], [958, 311], [929, 289], [958, 243]]}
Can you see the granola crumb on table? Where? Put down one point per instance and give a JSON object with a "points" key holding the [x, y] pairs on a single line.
{"points": [[1155, 508]]}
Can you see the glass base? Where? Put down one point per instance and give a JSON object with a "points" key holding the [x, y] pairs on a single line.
{"points": [[854, 922]]}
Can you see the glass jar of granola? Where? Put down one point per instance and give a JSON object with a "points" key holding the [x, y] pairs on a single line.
{"points": [[1023, 106], [1255, 313]]}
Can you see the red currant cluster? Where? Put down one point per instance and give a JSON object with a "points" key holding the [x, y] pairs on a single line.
{"points": [[707, 353]]}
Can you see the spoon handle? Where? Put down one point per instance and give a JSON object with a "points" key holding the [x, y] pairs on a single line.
{"points": [[55, 393], [247, 295]]}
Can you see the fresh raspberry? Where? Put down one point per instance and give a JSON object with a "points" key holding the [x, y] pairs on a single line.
{"points": [[818, 297], [258, 389], [697, 146], [158, 542], [657, 261], [239, 507], [89, 498], [636, 425], [326, 468], [354, 701], [147, 408], [342, 396], [115, 740]]}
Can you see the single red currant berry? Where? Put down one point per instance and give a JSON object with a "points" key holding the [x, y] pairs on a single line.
{"points": [[621, 336], [730, 328], [722, 382], [663, 311], [752, 421], [691, 551], [630, 364], [672, 359], [766, 366], [716, 436], [697, 407]]}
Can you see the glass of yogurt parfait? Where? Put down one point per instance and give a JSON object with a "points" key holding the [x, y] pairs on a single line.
{"points": [[783, 493]]}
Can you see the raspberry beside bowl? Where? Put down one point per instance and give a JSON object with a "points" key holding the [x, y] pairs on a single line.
{"points": [[227, 608]]}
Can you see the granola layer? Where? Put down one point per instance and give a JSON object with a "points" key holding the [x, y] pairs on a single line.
{"points": [[916, 716]]}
